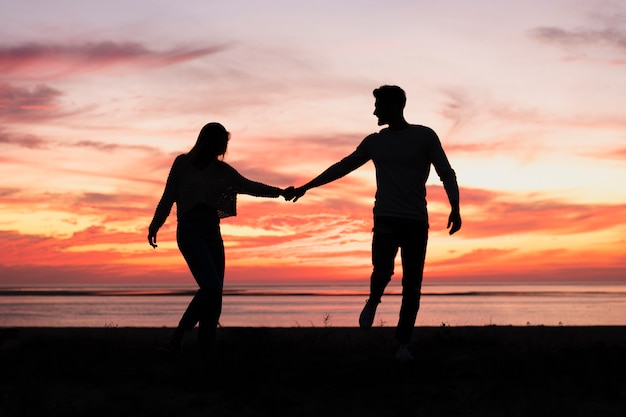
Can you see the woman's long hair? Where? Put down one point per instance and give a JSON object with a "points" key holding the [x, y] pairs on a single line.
{"points": [[211, 144]]}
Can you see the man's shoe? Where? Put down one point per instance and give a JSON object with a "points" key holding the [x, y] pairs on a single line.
{"points": [[403, 354], [366, 319]]}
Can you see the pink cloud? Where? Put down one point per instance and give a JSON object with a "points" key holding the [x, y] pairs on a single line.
{"points": [[111, 147], [8, 191], [59, 61], [487, 148], [30, 141], [27, 141], [24, 104], [325, 149]]}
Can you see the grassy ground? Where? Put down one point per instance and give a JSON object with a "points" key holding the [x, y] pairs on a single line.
{"points": [[458, 371]]}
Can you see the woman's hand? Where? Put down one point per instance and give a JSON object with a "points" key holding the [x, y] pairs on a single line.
{"points": [[288, 193]]}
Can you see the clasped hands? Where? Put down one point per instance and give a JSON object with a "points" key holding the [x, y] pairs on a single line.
{"points": [[292, 193]]}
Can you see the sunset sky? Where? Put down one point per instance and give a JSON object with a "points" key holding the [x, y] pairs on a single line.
{"points": [[97, 99]]}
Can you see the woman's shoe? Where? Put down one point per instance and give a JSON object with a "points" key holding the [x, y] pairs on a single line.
{"points": [[175, 343]]}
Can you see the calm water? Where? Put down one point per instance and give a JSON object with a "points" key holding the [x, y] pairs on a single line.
{"points": [[310, 305]]}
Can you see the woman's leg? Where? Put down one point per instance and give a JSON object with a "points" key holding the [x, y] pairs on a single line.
{"points": [[207, 325], [204, 253]]}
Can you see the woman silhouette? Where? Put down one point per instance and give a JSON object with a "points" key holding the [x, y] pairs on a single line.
{"points": [[205, 190]]}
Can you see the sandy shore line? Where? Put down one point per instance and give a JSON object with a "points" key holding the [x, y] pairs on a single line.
{"points": [[458, 371]]}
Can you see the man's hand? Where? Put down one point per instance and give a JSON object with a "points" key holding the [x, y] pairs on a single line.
{"points": [[298, 192], [454, 220], [152, 239]]}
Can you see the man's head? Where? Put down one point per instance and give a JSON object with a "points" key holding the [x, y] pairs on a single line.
{"points": [[390, 102]]}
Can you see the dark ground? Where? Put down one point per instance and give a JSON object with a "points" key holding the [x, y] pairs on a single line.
{"points": [[301, 372]]}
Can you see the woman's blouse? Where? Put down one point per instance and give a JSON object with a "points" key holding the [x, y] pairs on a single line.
{"points": [[215, 185]]}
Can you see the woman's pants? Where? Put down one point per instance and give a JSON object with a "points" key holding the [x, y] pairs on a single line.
{"points": [[200, 242]]}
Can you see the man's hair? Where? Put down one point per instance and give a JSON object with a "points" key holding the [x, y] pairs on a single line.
{"points": [[391, 94]]}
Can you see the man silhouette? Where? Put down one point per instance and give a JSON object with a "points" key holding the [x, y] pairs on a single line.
{"points": [[402, 154]]}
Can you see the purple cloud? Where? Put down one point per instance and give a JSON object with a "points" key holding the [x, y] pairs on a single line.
{"points": [[604, 35], [582, 37]]}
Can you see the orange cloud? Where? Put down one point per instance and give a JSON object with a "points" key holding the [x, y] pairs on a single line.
{"points": [[325, 235], [30, 259], [522, 265], [492, 213], [618, 154]]}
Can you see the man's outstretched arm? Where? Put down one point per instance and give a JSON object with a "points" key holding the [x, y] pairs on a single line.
{"points": [[334, 172], [331, 174]]}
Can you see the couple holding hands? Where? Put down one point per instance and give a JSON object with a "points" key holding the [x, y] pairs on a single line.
{"points": [[205, 190]]}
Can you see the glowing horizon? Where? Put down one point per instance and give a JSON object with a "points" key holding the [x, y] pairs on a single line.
{"points": [[97, 100]]}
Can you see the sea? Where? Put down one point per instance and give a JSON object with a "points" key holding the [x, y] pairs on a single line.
{"points": [[321, 304]]}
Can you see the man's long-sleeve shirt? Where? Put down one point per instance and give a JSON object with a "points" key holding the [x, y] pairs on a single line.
{"points": [[402, 159]]}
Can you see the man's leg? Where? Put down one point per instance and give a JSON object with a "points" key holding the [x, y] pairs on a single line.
{"points": [[384, 250], [413, 253]]}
